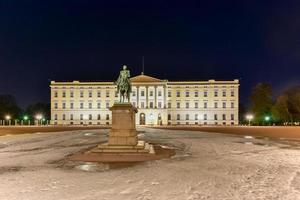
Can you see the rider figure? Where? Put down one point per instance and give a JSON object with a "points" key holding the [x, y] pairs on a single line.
{"points": [[123, 82]]}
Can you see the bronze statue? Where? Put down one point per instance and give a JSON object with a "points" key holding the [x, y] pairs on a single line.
{"points": [[123, 84]]}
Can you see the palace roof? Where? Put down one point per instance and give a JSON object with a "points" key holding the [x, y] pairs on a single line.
{"points": [[145, 78]]}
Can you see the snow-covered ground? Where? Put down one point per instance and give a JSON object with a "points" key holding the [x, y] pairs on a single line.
{"points": [[206, 166]]}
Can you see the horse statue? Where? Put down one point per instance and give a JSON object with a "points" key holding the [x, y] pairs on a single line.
{"points": [[124, 85]]}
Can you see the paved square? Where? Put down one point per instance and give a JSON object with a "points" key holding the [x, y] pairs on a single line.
{"points": [[206, 166]]}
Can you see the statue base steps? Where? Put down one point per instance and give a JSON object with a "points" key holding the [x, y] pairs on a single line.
{"points": [[141, 147]]}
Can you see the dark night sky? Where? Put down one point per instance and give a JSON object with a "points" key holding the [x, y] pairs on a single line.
{"points": [[181, 40]]}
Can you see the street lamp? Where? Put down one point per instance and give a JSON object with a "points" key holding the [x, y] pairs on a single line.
{"points": [[8, 117], [267, 119], [249, 117], [39, 117]]}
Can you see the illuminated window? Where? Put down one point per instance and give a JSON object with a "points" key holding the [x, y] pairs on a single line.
{"points": [[224, 93], [232, 93], [187, 105], [151, 104], [224, 104], [216, 93], [216, 104], [187, 117], [159, 104], [196, 93], [187, 93]]}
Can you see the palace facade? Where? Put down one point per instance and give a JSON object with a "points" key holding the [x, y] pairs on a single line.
{"points": [[159, 102]]}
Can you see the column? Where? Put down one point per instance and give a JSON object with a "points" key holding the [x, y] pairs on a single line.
{"points": [[155, 96], [137, 96], [165, 97], [147, 97]]}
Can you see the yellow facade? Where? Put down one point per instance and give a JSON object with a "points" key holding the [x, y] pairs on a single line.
{"points": [[159, 102]]}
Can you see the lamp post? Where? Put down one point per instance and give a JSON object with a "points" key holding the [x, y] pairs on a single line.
{"points": [[267, 119], [249, 117], [7, 118], [25, 118], [39, 117]]}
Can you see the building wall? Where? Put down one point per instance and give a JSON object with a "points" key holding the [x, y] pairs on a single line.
{"points": [[82, 102]]}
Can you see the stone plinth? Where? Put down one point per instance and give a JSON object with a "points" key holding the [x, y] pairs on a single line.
{"points": [[122, 137], [123, 144], [123, 131]]}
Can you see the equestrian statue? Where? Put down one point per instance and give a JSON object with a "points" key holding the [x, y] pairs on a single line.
{"points": [[124, 85]]}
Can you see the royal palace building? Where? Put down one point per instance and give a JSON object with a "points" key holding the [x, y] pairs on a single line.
{"points": [[159, 102]]}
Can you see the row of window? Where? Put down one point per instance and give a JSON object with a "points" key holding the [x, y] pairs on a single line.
{"points": [[205, 93], [196, 117], [151, 93], [82, 117], [205, 105], [81, 94], [178, 117], [107, 93], [151, 105]]}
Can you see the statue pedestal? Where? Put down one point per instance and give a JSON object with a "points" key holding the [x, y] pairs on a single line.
{"points": [[123, 135], [123, 131], [123, 145]]}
